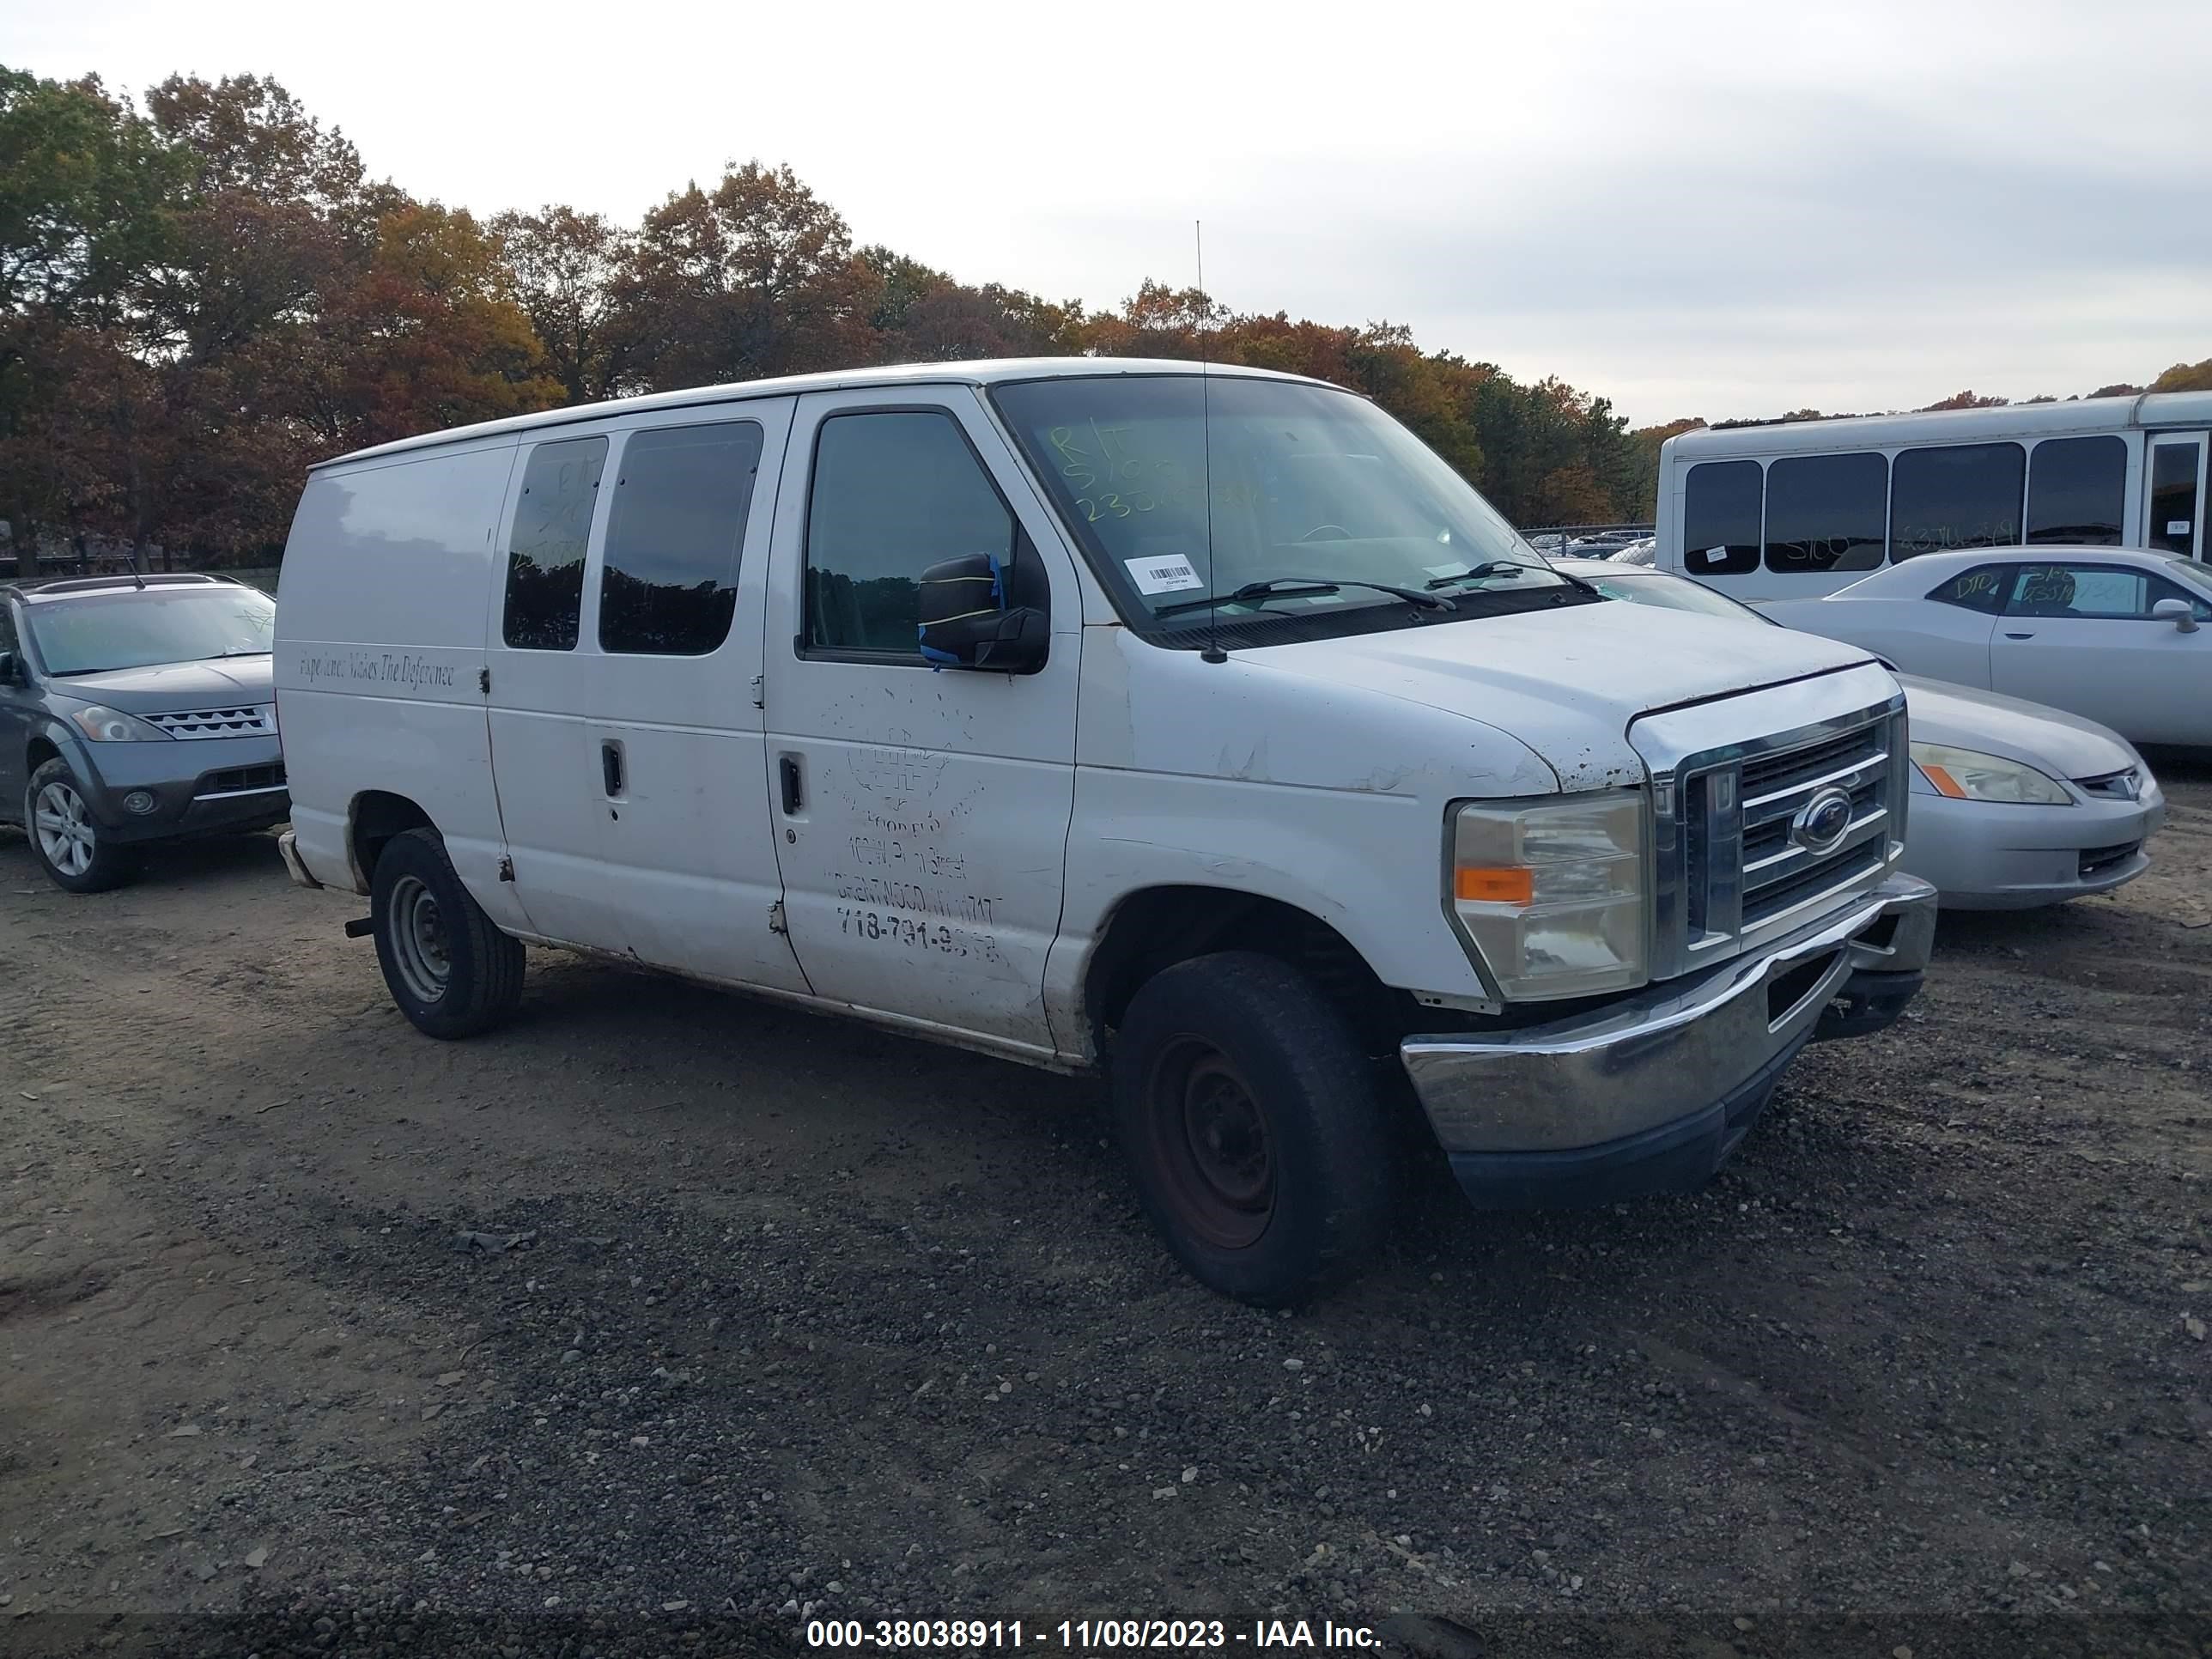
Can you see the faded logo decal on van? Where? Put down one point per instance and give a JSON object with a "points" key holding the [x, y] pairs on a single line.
{"points": [[352, 669]]}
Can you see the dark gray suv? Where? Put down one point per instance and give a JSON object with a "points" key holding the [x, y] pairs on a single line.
{"points": [[134, 710]]}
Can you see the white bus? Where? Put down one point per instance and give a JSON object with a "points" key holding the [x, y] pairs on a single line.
{"points": [[1798, 509]]}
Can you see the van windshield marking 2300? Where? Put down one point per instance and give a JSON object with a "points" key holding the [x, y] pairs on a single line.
{"points": [[1273, 500]]}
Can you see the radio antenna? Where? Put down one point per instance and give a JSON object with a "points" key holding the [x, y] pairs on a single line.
{"points": [[1213, 652]]}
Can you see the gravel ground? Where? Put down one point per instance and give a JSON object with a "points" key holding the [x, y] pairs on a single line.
{"points": [[661, 1320]]}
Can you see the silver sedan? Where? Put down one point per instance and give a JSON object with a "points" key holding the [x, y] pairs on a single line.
{"points": [[2014, 804]]}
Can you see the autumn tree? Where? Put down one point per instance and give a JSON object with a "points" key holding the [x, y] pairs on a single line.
{"points": [[2186, 377], [87, 194], [564, 265], [755, 277]]}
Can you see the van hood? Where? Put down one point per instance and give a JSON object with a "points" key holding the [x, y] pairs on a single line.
{"points": [[175, 687], [1568, 683], [2054, 742]]}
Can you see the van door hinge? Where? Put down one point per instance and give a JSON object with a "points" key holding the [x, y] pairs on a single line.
{"points": [[483, 681], [776, 922], [507, 869], [760, 695]]}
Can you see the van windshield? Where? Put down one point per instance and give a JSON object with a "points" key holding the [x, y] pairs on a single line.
{"points": [[1320, 503], [139, 627]]}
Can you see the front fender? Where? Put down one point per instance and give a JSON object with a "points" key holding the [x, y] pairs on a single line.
{"points": [[1368, 863]]}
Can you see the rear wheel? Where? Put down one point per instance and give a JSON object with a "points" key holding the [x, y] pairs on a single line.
{"points": [[450, 970], [76, 854], [1252, 1122]]}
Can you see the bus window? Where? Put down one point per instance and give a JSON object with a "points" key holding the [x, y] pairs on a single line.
{"points": [[1826, 512], [1959, 495], [1720, 519], [2077, 491]]}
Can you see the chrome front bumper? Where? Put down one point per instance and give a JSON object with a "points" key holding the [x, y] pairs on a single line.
{"points": [[1688, 1060], [287, 848]]}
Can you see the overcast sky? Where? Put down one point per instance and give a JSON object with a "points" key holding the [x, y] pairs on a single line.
{"points": [[1695, 208]]}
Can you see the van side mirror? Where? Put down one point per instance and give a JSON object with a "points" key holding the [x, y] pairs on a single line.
{"points": [[2179, 613], [967, 622], [11, 668]]}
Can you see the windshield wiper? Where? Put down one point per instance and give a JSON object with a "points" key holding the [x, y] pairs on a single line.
{"points": [[1508, 567], [1286, 587], [1488, 568]]}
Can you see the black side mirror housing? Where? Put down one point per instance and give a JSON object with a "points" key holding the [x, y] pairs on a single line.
{"points": [[968, 623], [11, 668]]}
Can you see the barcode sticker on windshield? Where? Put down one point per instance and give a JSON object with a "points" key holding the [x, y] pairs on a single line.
{"points": [[1169, 573]]}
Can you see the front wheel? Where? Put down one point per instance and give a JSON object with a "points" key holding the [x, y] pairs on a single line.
{"points": [[450, 970], [76, 854], [1252, 1122]]}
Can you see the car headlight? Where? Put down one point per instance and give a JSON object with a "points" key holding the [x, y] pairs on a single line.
{"points": [[114, 725], [1550, 893], [1968, 775]]}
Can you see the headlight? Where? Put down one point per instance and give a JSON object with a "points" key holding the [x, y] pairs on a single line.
{"points": [[1551, 893], [114, 725], [1967, 774]]}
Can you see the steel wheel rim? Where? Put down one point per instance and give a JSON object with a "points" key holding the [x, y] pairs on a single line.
{"points": [[65, 830], [417, 933], [1209, 1145]]}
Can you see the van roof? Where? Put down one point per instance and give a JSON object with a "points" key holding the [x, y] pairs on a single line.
{"points": [[1948, 426], [985, 372]]}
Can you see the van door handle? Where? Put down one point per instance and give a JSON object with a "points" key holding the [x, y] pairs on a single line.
{"points": [[611, 766], [794, 797], [2029, 635]]}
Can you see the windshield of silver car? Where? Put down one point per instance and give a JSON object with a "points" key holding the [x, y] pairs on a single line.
{"points": [[137, 628]]}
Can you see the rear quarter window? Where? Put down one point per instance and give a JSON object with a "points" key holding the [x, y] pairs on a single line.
{"points": [[1983, 589]]}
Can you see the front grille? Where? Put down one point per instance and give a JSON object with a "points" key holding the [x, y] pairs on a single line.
{"points": [[2113, 786], [1734, 868], [236, 780], [218, 722], [2097, 859]]}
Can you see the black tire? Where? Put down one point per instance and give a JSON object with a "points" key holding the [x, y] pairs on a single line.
{"points": [[85, 858], [450, 970], [1254, 1127]]}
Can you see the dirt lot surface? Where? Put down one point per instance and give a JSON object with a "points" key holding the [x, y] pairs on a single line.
{"points": [[661, 1317]]}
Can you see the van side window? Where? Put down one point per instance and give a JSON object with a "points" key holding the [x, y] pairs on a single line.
{"points": [[1960, 495], [545, 551], [1983, 589], [1720, 518], [669, 581], [2077, 491], [894, 492], [1826, 512]]}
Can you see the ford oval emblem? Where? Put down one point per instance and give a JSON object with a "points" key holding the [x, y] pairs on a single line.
{"points": [[1822, 822]]}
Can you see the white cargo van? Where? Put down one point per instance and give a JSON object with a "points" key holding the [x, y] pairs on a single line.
{"points": [[1203, 727]]}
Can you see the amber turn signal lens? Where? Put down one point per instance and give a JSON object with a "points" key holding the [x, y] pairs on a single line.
{"points": [[1944, 782], [1513, 885]]}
